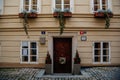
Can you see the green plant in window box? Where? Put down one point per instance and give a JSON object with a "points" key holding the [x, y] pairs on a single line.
{"points": [[25, 15], [31, 14], [106, 14]]}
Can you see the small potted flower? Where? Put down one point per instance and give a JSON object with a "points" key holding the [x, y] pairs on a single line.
{"points": [[77, 66], [48, 65], [66, 13]]}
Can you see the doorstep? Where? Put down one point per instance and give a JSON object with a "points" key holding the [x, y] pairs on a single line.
{"points": [[67, 75]]}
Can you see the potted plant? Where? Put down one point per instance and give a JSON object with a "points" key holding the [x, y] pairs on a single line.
{"points": [[77, 62], [48, 64], [106, 14]]}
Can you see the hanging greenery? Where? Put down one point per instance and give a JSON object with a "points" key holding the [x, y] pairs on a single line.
{"points": [[106, 14], [62, 15], [107, 20], [25, 15], [25, 22], [61, 22]]}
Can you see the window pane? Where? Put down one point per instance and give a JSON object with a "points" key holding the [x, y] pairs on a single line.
{"points": [[105, 45], [96, 5], [97, 45], [58, 4], [25, 44], [33, 52], [33, 45], [97, 52], [97, 59], [33, 59], [104, 4], [25, 58], [26, 2], [24, 52], [58, 1], [105, 59], [34, 5], [105, 52], [66, 1], [66, 4], [34, 2], [26, 5]]}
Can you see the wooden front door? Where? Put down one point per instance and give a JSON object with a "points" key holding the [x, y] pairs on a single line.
{"points": [[62, 55]]}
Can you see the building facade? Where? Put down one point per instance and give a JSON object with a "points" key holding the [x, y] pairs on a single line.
{"points": [[26, 43]]}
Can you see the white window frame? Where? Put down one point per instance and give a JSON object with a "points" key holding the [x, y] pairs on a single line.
{"points": [[1, 6], [29, 62], [38, 5], [71, 5], [101, 54], [92, 5]]}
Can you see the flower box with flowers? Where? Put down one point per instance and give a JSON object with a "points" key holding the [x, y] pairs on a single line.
{"points": [[66, 13], [31, 14], [102, 14]]}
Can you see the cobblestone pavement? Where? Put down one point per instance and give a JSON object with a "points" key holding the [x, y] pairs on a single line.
{"points": [[95, 73]]}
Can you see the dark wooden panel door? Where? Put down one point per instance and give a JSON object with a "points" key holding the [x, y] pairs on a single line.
{"points": [[62, 55]]}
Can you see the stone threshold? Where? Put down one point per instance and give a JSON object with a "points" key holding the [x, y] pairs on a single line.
{"points": [[66, 75]]}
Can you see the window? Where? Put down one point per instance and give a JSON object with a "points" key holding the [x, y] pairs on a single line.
{"points": [[100, 4], [63, 4], [101, 52], [29, 52], [1, 6], [29, 5]]}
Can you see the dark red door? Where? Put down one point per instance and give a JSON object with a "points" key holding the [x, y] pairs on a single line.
{"points": [[62, 55]]}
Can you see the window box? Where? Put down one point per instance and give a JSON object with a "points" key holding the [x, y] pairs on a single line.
{"points": [[66, 14], [29, 15], [102, 15]]}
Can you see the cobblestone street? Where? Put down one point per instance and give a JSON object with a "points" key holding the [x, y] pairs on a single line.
{"points": [[95, 73]]}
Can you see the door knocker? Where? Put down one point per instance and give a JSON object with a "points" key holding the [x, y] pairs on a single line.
{"points": [[62, 60]]}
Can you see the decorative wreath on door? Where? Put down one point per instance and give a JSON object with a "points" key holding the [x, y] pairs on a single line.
{"points": [[62, 60]]}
